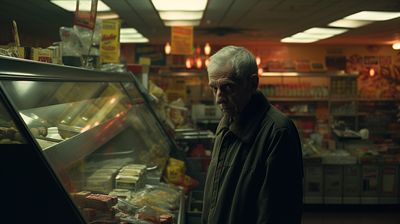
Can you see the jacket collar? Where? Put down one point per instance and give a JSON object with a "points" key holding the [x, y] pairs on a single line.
{"points": [[245, 126]]}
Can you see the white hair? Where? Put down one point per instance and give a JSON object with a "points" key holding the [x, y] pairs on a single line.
{"points": [[241, 61]]}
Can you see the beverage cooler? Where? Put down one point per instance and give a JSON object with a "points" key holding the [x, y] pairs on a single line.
{"points": [[81, 146]]}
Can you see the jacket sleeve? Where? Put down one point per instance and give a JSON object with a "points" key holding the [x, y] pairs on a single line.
{"points": [[281, 192]]}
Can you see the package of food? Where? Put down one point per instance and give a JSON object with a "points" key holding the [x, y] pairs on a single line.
{"points": [[121, 193], [126, 182], [103, 184], [101, 201]]}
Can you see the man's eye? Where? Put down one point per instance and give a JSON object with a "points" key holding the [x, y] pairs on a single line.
{"points": [[226, 87]]}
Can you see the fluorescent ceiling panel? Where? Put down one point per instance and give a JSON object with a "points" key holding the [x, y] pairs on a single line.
{"points": [[373, 15], [131, 35], [84, 5], [333, 31], [107, 15], [348, 23], [279, 74], [298, 40], [134, 40], [180, 5], [311, 35], [127, 30], [181, 22], [181, 15]]}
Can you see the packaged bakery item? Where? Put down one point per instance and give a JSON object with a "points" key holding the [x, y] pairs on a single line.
{"points": [[131, 172], [100, 201], [103, 184], [126, 182], [121, 193], [105, 172]]}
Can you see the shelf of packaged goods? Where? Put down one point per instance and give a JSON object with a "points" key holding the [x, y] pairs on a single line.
{"points": [[296, 99], [379, 99], [345, 114], [373, 132], [321, 74], [377, 113], [343, 99]]}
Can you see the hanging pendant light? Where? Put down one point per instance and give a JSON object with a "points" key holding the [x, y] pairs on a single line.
{"points": [[258, 60], [167, 48], [199, 63], [396, 46], [188, 63], [260, 71], [207, 49], [372, 72]]}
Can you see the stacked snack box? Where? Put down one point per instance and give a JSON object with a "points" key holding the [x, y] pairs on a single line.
{"points": [[131, 177]]}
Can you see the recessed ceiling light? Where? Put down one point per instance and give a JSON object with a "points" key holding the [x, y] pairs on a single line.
{"points": [[181, 22], [317, 30], [178, 5], [348, 23], [373, 15], [181, 15], [298, 40], [84, 5]]}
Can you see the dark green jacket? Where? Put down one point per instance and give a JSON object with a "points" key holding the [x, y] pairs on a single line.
{"points": [[256, 171]]}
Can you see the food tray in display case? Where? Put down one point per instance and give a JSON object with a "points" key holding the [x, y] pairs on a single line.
{"points": [[94, 129]]}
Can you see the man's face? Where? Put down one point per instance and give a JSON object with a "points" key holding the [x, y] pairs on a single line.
{"points": [[231, 95]]}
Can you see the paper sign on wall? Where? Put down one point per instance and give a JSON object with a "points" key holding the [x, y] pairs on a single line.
{"points": [[109, 44], [182, 40]]}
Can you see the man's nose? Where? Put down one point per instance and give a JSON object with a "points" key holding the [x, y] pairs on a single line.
{"points": [[219, 96]]}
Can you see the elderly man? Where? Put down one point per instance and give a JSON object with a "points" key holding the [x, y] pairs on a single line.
{"points": [[256, 171]]}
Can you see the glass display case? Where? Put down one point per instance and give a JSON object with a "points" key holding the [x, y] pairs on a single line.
{"points": [[95, 133]]}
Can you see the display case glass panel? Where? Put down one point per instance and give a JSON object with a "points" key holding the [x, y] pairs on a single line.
{"points": [[90, 131], [55, 111]]}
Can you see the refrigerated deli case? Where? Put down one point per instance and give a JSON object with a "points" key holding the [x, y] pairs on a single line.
{"points": [[81, 146]]}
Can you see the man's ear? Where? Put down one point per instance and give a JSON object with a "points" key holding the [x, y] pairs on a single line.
{"points": [[254, 81]]}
